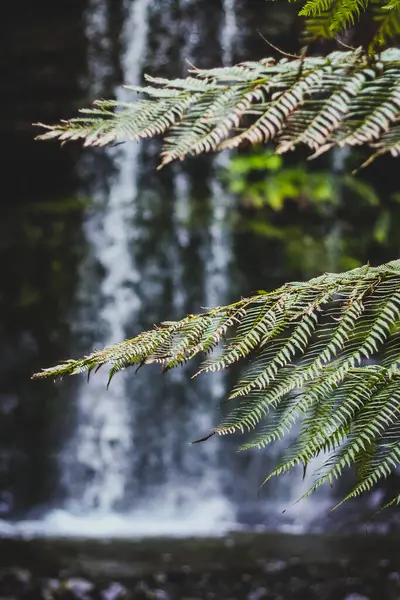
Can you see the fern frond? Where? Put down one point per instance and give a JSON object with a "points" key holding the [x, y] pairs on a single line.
{"points": [[315, 7], [343, 99], [334, 14], [327, 18], [387, 18], [324, 353], [392, 5]]}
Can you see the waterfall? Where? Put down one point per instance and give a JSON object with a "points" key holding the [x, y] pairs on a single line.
{"points": [[219, 251], [109, 449], [191, 495], [128, 468], [102, 445], [229, 31], [218, 244]]}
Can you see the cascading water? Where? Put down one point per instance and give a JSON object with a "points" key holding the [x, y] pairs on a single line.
{"points": [[229, 32], [217, 248], [128, 469], [97, 463], [103, 441], [101, 477], [192, 489]]}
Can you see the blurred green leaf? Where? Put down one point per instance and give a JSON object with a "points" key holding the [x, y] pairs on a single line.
{"points": [[382, 226]]}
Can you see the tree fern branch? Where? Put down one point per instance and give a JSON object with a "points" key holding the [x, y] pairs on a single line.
{"points": [[344, 99], [325, 353]]}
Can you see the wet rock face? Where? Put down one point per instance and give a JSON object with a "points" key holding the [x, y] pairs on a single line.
{"points": [[334, 581]]}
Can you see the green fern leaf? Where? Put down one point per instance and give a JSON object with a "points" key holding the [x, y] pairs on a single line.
{"points": [[345, 98], [392, 5], [387, 19], [333, 15], [323, 353]]}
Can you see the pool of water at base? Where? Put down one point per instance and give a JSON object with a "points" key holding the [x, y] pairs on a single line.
{"points": [[234, 566]]}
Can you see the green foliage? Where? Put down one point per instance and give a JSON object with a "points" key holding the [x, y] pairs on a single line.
{"points": [[332, 16], [343, 99], [387, 23], [316, 220], [328, 18], [262, 179], [274, 183], [324, 352]]}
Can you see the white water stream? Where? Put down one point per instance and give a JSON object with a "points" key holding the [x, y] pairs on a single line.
{"points": [[104, 443], [128, 469], [103, 440]]}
